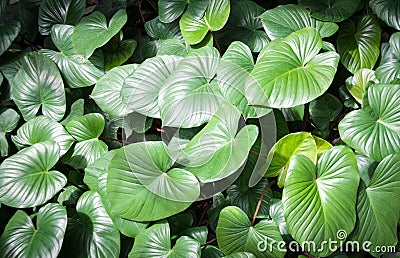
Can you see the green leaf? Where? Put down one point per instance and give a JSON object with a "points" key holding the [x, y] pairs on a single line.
{"points": [[283, 20], [333, 11], [169, 11], [296, 74], [8, 32], [155, 184], [211, 251], [21, 238], [389, 69], [322, 146], [38, 86], [26, 179], [358, 45], [76, 110], [110, 92], [325, 109], [278, 217], [287, 147], [143, 87], [234, 67], [41, 129], [190, 97], [93, 32], [375, 129], [69, 196], [245, 25], [197, 233], [388, 11], [59, 12], [90, 231], [98, 168], [194, 30], [117, 53], [86, 130], [236, 234], [319, 200], [9, 119], [356, 84], [159, 30], [373, 205], [156, 242], [219, 149], [76, 69]]}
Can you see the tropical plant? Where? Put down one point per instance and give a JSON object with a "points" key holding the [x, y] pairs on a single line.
{"points": [[202, 128]]}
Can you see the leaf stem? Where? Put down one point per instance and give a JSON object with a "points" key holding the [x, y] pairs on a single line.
{"points": [[216, 42], [139, 6], [267, 186], [209, 242]]}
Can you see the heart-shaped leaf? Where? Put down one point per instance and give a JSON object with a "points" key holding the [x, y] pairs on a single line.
{"points": [[38, 86], [245, 26], [234, 67], [333, 11], [41, 129], [86, 130], [21, 238], [90, 231], [194, 30], [59, 12], [319, 200], [9, 119], [26, 179], [296, 74], [190, 97], [325, 109], [109, 91], [283, 20], [76, 69], [375, 129], [118, 52], [156, 184], [388, 11], [236, 234], [219, 149], [389, 69], [144, 85], [156, 242], [358, 45], [169, 11], [356, 84], [287, 147], [93, 32], [373, 204], [8, 32]]}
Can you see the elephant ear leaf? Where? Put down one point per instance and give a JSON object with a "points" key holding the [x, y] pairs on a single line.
{"points": [[374, 130], [9, 119], [156, 242], [93, 31], [319, 200], [38, 86], [333, 11], [373, 205], [26, 178], [388, 11], [86, 130], [298, 73], [21, 238]]}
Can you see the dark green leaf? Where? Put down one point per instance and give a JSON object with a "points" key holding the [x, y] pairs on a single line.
{"points": [[331, 10]]}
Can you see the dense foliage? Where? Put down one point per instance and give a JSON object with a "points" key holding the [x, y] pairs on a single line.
{"points": [[201, 128]]}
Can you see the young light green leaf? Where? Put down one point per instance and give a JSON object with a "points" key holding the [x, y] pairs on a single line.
{"points": [[41, 129], [26, 179], [358, 45], [194, 30], [38, 86], [283, 20], [234, 224], [21, 238], [59, 12], [356, 84], [296, 74], [328, 191], [93, 32], [375, 129]]}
